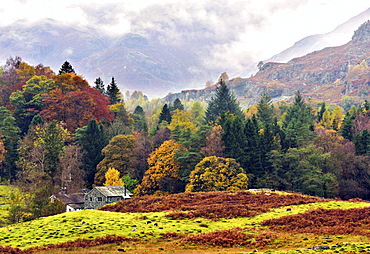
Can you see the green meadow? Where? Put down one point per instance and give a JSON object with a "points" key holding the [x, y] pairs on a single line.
{"points": [[89, 224]]}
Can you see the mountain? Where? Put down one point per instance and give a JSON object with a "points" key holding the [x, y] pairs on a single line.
{"points": [[171, 56], [326, 75], [337, 37], [137, 62]]}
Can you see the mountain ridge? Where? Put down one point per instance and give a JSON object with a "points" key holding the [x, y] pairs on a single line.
{"points": [[328, 74]]}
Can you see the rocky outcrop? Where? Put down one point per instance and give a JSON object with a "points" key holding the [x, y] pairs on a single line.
{"points": [[325, 70], [362, 33]]}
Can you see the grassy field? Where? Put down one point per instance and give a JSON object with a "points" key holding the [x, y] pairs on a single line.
{"points": [[4, 203], [166, 235]]}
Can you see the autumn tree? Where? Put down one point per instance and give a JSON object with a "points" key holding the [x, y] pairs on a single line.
{"points": [[223, 102], [217, 174], [66, 68], [112, 178], [163, 174], [70, 175], [46, 71], [25, 71], [28, 102], [214, 145], [182, 119], [87, 104], [143, 146], [39, 157], [161, 135], [353, 172], [118, 155], [68, 82], [10, 75]]}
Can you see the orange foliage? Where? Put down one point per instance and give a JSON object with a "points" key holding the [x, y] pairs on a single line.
{"points": [[211, 205], [79, 243], [70, 82], [355, 221], [75, 108]]}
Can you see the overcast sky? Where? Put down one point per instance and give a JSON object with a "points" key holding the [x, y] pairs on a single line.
{"points": [[252, 29]]}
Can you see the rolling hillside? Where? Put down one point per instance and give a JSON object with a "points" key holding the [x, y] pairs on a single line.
{"points": [[189, 222]]}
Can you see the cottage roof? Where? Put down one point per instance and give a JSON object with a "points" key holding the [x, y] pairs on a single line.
{"points": [[74, 198], [76, 206], [114, 191]]}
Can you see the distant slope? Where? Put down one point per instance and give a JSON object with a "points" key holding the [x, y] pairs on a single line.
{"points": [[324, 75], [337, 37]]}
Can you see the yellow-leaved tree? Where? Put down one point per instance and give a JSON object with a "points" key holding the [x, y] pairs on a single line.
{"points": [[112, 178], [117, 154], [163, 175], [182, 119], [217, 174]]}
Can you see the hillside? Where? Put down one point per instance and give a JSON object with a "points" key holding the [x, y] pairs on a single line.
{"points": [[339, 36], [328, 74], [152, 225]]}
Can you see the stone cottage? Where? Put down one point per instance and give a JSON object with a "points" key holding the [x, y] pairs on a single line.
{"points": [[72, 202], [102, 195]]}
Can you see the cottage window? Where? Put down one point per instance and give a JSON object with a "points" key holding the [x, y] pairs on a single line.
{"points": [[91, 199], [100, 199]]}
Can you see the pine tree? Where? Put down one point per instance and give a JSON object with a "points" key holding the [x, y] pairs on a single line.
{"points": [[298, 123], [224, 101], [165, 115], [10, 131], [265, 109], [348, 122], [139, 119], [92, 139], [177, 105], [99, 84], [66, 68], [113, 92]]}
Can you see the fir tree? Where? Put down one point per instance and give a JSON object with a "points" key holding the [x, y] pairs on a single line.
{"points": [[92, 139], [223, 102], [177, 105], [298, 123], [113, 92], [139, 119], [99, 84], [165, 115], [66, 68]]}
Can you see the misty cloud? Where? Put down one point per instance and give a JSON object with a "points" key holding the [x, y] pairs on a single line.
{"points": [[221, 35]]}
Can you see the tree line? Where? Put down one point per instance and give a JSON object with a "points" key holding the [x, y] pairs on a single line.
{"points": [[58, 132]]}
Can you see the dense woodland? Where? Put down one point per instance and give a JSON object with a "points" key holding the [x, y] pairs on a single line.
{"points": [[59, 132]]}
